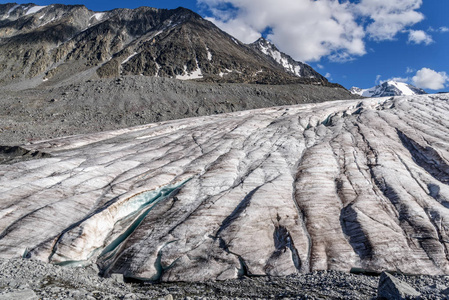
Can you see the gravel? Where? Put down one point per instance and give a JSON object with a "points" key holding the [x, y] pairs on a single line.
{"points": [[107, 104], [46, 281]]}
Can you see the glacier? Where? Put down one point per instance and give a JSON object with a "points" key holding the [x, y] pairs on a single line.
{"points": [[343, 185]]}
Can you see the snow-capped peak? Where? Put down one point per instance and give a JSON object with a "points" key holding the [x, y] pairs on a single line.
{"points": [[387, 89], [287, 62], [271, 50]]}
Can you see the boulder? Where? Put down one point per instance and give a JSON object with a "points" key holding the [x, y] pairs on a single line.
{"points": [[23, 295], [392, 288]]}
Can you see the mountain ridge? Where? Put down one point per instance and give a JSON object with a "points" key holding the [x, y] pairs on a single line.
{"points": [[292, 66], [387, 89], [57, 41]]}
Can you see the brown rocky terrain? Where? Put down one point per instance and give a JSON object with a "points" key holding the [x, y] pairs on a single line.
{"points": [[57, 42]]}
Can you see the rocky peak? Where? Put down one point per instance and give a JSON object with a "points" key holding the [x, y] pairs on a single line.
{"points": [[50, 44], [355, 90], [263, 44], [387, 89], [285, 61]]}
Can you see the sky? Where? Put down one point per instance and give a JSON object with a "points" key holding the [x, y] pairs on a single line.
{"points": [[352, 42]]}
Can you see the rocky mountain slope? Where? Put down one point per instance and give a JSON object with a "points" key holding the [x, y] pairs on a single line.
{"points": [[357, 185], [50, 44], [290, 65], [387, 89]]}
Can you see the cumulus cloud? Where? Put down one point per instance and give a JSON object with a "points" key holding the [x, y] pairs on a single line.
{"points": [[389, 16], [425, 78], [311, 29], [305, 29], [237, 28], [419, 37], [429, 79]]}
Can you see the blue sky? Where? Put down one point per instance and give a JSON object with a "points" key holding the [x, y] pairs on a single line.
{"points": [[354, 43]]}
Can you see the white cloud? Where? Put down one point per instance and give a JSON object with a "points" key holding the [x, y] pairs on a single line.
{"points": [[409, 70], [238, 29], [378, 79], [328, 75], [389, 16], [320, 66], [425, 78], [305, 29], [311, 29], [429, 79], [442, 29], [419, 37], [398, 79]]}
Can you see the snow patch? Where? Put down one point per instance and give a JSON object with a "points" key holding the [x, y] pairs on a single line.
{"points": [[264, 49], [193, 75], [10, 11], [297, 70], [209, 55], [98, 16], [258, 72], [13, 9], [158, 67], [54, 18], [276, 55], [158, 33], [129, 57], [34, 10], [225, 73]]}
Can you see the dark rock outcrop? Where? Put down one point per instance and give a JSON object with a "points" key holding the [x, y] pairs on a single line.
{"points": [[13, 154], [392, 288]]}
